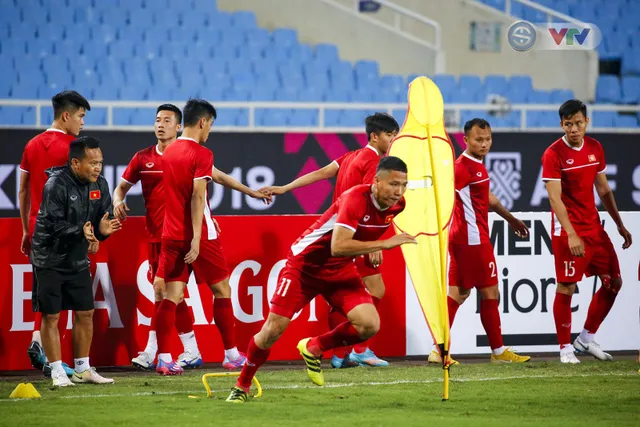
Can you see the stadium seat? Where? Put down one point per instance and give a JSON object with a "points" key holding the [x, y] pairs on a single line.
{"points": [[608, 89], [273, 117], [304, 117], [11, 115], [96, 117], [603, 118], [631, 89], [286, 37], [496, 84], [625, 121], [244, 20]]}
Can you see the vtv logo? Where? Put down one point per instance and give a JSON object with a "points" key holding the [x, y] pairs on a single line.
{"points": [[569, 35]]}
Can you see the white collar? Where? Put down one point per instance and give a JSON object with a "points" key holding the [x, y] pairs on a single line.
{"points": [[564, 139], [157, 150], [471, 157], [55, 130], [188, 139], [371, 148], [375, 202]]}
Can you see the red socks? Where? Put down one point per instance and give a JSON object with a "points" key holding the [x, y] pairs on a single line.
{"points": [[154, 316], [166, 319], [336, 318], [184, 318], [345, 334], [562, 317], [453, 309], [490, 318], [225, 321], [599, 308], [255, 358]]}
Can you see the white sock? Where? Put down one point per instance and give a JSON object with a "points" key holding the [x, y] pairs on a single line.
{"points": [[189, 342], [232, 353], [567, 349], [165, 357], [56, 368], [587, 337], [498, 351], [35, 336], [152, 345], [81, 364]]}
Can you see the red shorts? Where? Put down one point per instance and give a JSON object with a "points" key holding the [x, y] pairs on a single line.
{"points": [[153, 255], [295, 289], [599, 258], [210, 267], [472, 266], [365, 268]]}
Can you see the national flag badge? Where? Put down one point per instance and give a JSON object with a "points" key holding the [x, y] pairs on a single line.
{"points": [[94, 195], [592, 158], [388, 219]]}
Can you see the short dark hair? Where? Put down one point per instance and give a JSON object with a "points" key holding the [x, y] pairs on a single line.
{"points": [[481, 123], [68, 100], [571, 107], [78, 147], [172, 108], [196, 109], [391, 163], [380, 122]]}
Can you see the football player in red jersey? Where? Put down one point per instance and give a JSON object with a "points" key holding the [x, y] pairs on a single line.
{"points": [[472, 262], [46, 150], [146, 166], [355, 168], [571, 167], [321, 263]]}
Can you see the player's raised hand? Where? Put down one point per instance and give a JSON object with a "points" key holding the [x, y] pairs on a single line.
{"points": [[626, 236], [399, 239], [519, 227], [275, 190], [375, 258], [120, 211], [87, 228], [193, 253], [263, 195], [109, 226], [25, 245], [576, 245]]}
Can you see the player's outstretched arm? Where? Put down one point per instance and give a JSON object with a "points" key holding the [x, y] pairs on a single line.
{"points": [[24, 196], [609, 202], [554, 189], [326, 172], [344, 245], [518, 226], [120, 208], [232, 183]]}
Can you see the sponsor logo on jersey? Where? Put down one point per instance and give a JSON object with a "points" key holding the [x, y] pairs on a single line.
{"points": [[388, 219], [592, 158], [569, 161], [366, 218], [150, 165]]}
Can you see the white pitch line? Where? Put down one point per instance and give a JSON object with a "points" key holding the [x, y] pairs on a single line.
{"points": [[336, 385]]}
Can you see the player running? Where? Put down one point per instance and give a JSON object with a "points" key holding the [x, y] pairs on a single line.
{"points": [[48, 149], [571, 167], [146, 167], [355, 168], [472, 262], [321, 263]]}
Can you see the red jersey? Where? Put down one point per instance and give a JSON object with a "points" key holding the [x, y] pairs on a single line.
{"points": [[49, 149], [146, 166], [470, 225], [356, 210], [183, 162], [576, 169], [356, 167]]}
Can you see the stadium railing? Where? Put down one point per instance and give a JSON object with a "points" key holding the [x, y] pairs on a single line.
{"points": [[453, 114]]}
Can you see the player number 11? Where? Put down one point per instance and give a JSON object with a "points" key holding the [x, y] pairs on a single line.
{"points": [[284, 287]]}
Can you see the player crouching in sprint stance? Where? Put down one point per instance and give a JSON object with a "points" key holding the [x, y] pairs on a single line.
{"points": [[571, 167], [321, 263], [472, 262]]}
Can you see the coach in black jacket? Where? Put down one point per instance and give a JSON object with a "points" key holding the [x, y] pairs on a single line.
{"points": [[74, 216]]}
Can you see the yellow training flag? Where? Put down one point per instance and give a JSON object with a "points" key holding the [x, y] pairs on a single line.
{"points": [[426, 149]]}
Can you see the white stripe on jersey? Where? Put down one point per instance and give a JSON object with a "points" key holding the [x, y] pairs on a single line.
{"points": [[557, 227], [312, 237], [473, 233], [212, 234]]}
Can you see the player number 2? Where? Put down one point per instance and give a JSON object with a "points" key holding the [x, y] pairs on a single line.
{"points": [[492, 266], [284, 287], [569, 269]]}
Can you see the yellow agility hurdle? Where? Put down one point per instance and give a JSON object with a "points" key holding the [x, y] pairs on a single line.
{"points": [[207, 387]]}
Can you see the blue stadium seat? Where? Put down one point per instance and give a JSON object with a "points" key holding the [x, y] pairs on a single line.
{"points": [[304, 117], [141, 18], [284, 37], [244, 20], [540, 97], [143, 117], [104, 33], [96, 117], [445, 82], [220, 20], [462, 95], [354, 118], [263, 93], [238, 66], [332, 118], [366, 70], [134, 34], [226, 116], [122, 116], [286, 94], [28, 116], [558, 96], [631, 62], [242, 119], [237, 95], [311, 94], [182, 36], [257, 37], [166, 18], [625, 121], [603, 118], [114, 16], [147, 49], [97, 49], [51, 32], [301, 53], [224, 52], [34, 15], [327, 53], [631, 89], [53, 64], [11, 115], [608, 89], [273, 117], [333, 95], [25, 90], [233, 37], [496, 84], [174, 50], [40, 48], [470, 83]]}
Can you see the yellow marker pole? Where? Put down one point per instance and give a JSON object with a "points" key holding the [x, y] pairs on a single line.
{"points": [[207, 387], [443, 268]]}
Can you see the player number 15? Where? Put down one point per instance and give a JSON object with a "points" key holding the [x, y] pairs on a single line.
{"points": [[569, 269]]}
